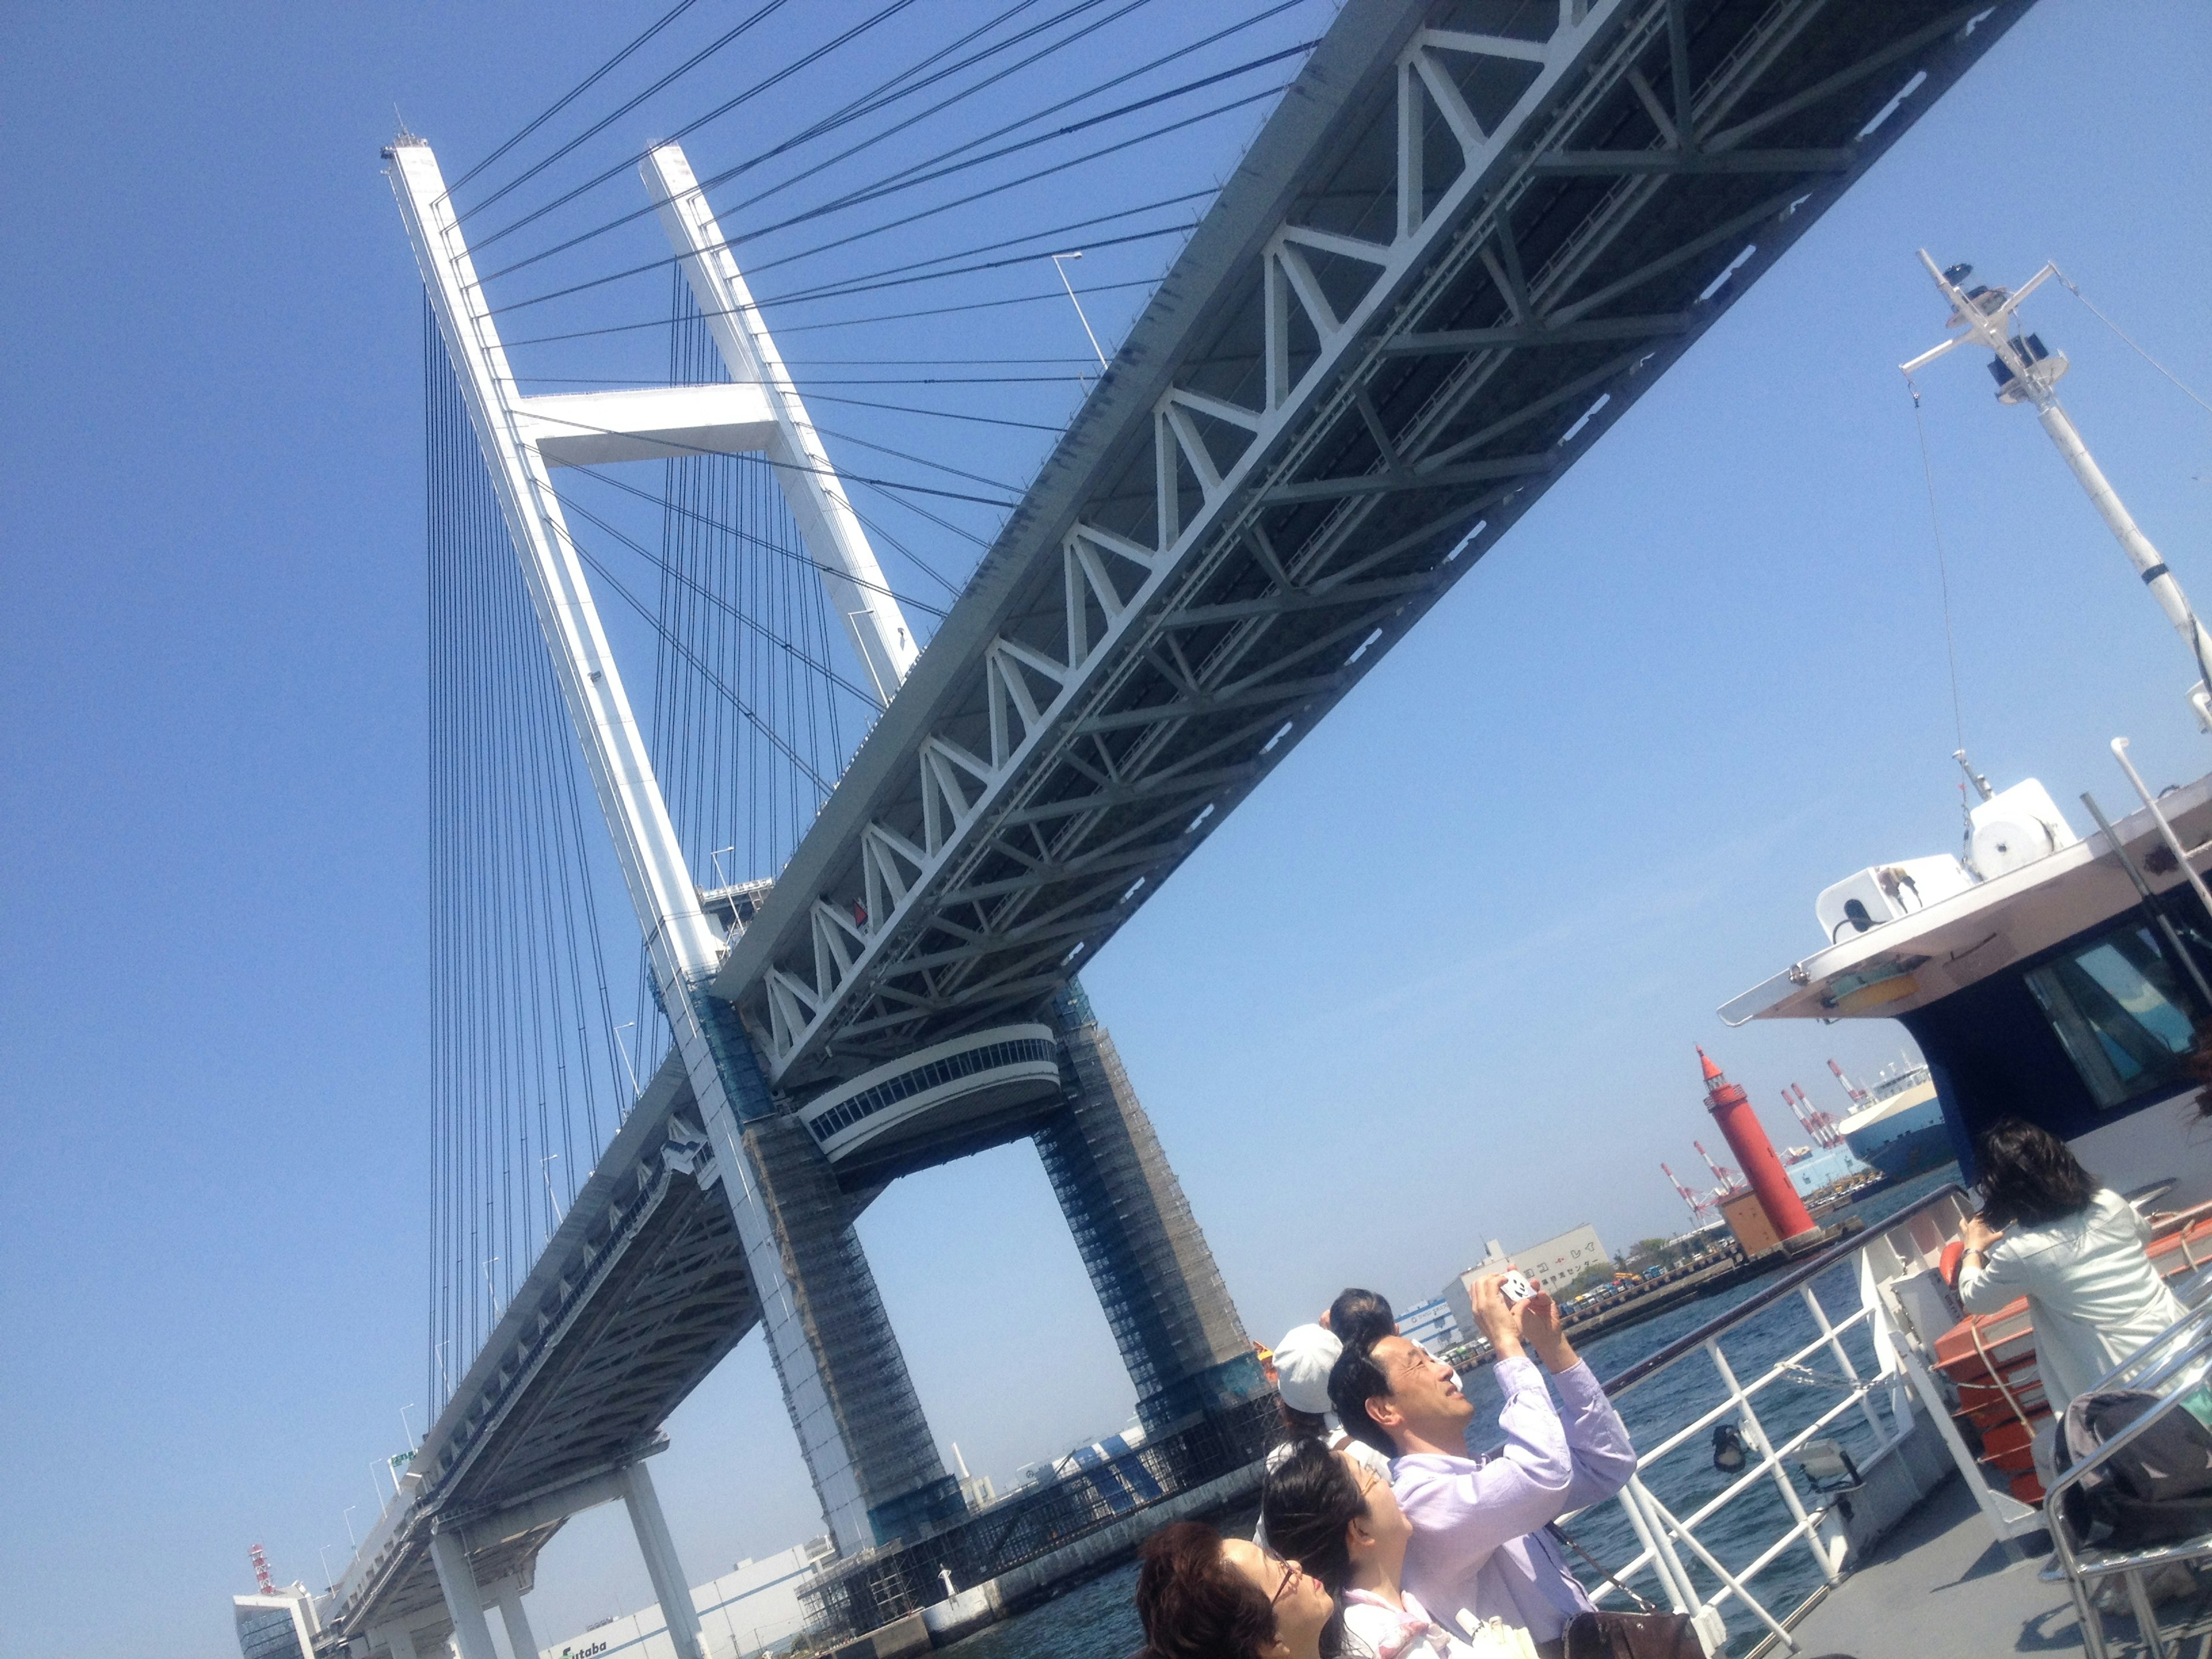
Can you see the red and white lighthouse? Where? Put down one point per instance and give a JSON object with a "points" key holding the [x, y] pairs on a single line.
{"points": [[1755, 1156]]}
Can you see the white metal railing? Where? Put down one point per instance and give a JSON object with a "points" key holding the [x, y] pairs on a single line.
{"points": [[2173, 1366], [1675, 1533]]}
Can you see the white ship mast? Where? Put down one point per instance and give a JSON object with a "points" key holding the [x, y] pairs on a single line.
{"points": [[2026, 372]]}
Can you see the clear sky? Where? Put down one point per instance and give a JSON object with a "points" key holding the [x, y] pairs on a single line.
{"points": [[1437, 982]]}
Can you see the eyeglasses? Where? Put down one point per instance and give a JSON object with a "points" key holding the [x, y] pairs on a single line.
{"points": [[1290, 1574]]}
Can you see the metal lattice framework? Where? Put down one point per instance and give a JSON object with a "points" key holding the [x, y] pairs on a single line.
{"points": [[1465, 242]]}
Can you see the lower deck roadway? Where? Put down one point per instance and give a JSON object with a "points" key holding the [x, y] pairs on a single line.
{"points": [[1941, 1585]]}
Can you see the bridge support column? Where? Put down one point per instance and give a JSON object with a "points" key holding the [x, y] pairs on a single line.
{"points": [[396, 1639], [670, 1586], [874, 1463], [449, 1554], [520, 1642], [1179, 1336]]}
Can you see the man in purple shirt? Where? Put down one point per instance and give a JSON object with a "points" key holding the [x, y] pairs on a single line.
{"points": [[1478, 1541]]}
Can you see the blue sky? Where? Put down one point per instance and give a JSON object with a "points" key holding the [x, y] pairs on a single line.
{"points": [[1437, 982]]}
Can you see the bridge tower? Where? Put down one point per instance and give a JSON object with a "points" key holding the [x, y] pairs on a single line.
{"points": [[869, 1450], [1179, 1333], [874, 1464]]}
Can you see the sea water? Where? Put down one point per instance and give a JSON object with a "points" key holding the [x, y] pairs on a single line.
{"points": [[1097, 1619]]}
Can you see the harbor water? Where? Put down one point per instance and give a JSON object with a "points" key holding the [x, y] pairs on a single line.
{"points": [[1097, 1618]]}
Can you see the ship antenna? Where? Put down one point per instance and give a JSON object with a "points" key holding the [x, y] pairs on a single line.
{"points": [[2027, 371], [1981, 784]]}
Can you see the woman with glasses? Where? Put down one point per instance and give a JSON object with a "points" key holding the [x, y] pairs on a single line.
{"points": [[1338, 1519], [1200, 1595]]}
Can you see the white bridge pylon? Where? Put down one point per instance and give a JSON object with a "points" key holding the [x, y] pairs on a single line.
{"points": [[523, 438]]}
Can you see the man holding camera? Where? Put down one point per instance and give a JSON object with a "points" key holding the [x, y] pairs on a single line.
{"points": [[1478, 1540]]}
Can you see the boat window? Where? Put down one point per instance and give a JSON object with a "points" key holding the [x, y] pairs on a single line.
{"points": [[2121, 1013]]}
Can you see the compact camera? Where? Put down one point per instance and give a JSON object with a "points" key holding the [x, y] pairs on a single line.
{"points": [[1514, 1286]]}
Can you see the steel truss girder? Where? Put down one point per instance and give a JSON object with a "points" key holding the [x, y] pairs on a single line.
{"points": [[1015, 780]]}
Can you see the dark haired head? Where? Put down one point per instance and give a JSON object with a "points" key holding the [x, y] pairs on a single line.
{"points": [[1311, 1499], [1358, 1317], [1353, 1381], [1300, 1425], [2028, 1177], [1192, 1604]]}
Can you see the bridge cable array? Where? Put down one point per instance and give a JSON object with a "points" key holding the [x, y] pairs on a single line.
{"points": [[942, 166], [1085, 128], [755, 709], [750, 725], [527, 1077]]}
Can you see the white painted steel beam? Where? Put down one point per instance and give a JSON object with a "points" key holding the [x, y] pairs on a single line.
{"points": [[855, 582], [546, 1509], [651, 423], [660, 886], [682, 944]]}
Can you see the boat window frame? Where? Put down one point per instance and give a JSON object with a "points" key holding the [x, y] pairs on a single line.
{"points": [[2087, 1045]]}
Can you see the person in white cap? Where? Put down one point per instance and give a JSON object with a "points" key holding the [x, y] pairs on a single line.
{"points": [[1304, 1359]]}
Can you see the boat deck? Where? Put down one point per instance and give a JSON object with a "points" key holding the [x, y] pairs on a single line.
{"points": [[1939, 1585]]}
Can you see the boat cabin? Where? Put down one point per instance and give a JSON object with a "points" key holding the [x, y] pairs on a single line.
{"points": [[2039, 981]]}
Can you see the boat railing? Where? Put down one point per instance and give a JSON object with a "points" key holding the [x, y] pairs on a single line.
{"points": [[1810, 1392]]}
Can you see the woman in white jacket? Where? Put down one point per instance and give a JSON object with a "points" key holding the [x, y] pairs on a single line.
{"points": [[2048, 1232]]}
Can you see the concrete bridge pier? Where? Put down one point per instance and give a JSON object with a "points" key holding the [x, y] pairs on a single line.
{"points": [[457, 1578], [1179, 1332], [456, 1546], [875, 1465], [521, 1641], [669, 1587], [396, 1639], [866, 1400]]}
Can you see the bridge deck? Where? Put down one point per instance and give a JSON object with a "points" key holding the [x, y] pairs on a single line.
{"points": [[641, 1292]]}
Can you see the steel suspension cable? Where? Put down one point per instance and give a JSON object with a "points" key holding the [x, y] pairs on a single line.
{"points": [[673, 571], [765, 84], [945, 164], [1056, 295], [514, 915], [867, 104], [571, 94], [684, 649], [768, 9], [793, 554], [941, 167]]}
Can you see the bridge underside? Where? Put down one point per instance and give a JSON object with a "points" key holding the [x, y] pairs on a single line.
{"points": [[1468, 240], [639, 1295]]}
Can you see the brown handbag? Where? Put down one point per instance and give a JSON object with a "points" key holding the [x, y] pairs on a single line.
{"points": [[1646, 1634], [1632, 1636]]}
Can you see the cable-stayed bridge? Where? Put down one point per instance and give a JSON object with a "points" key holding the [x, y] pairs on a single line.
{"points": [[1469, 235]]}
